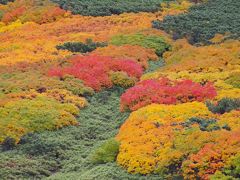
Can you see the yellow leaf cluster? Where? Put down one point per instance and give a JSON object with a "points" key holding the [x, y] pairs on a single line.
{"points": [[148, 131]]}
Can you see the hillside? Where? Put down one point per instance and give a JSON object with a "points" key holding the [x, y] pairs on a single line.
{"points": [[130, 89]]}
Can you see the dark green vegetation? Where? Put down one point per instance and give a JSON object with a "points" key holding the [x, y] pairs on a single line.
{"points": [[108, 7], [224, 105], [88, 46], [205, 124], [154, 65], [68, 153], [203, 21], [5, 1]]}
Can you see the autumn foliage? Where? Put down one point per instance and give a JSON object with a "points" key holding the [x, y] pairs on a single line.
{"points": [[187, 137], [34, 11], [165, 91], [136, 53], [94, 70], [176, 104]]}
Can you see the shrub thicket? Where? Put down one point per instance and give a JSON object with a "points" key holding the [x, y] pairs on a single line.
{"points": [[25, 81], [88, 46], [5, 1], [148, 41], [34, 115], [203, 21], [67, 153], [224, 105], [108, 7], [107, 152]]}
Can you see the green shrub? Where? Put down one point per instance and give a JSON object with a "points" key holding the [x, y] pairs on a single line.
{"points": [[219, 175], [8, 143], [148, 41], [231, 170], [88, 46], [154, 65], [203, 21], [108, 7], [204, 124], [233, 166], [5, 1], [107, 152], [224, 105]]}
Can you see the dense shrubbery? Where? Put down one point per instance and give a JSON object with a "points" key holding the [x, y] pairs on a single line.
{"points": [[152, 144], [122, 79], [33, 115], [88, 46], [95, 70], [35, 11], [108, 7], [107, 152], [224, 105], [204, 124], [159, 141], [25, 81], [67, 153], [165, 91], [148, 41], [213, 156], [5, 1], [203, 21], [179, 139], [138, 53]]}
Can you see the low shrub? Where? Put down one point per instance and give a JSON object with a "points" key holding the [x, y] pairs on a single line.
{"points": [[203, 21], [88, 46], [122, 79], [8, 144], [5, 1], [107, 152], [95, 71], [148, 41], [40, 12], [165, 91], [224, 105], [108, 7], [15, 82], [141, 55], [20, 117]]}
